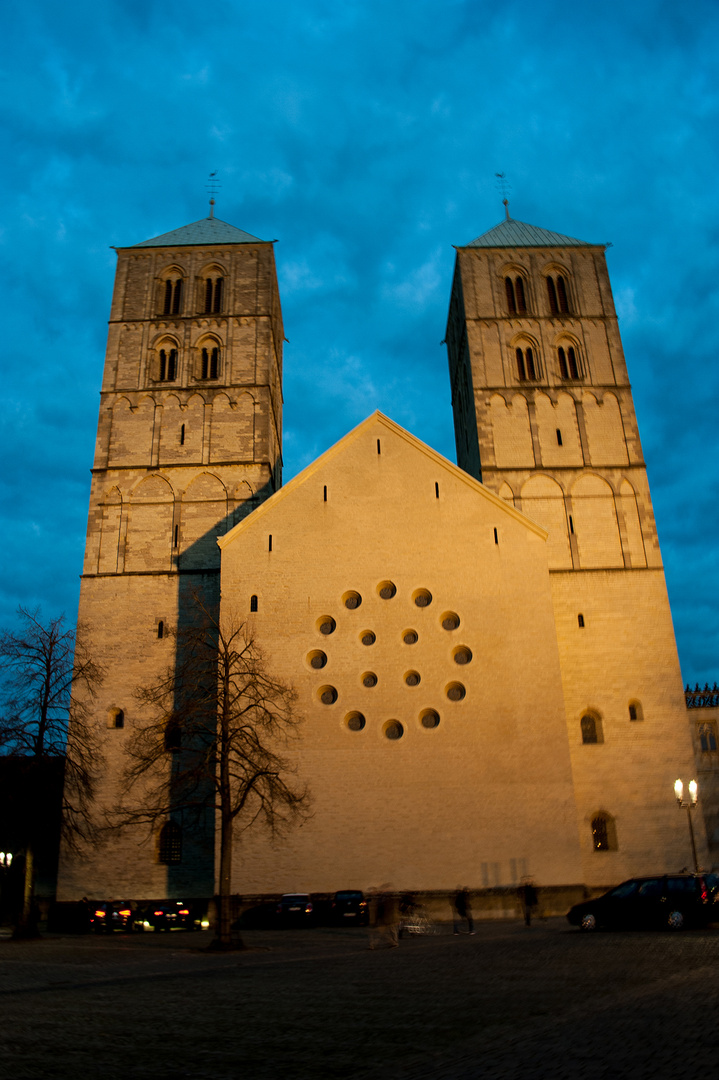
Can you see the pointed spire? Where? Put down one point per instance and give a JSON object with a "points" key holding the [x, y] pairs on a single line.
{"points": [[506, 209]]}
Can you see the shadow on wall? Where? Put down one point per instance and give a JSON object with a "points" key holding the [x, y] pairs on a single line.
{"points": [[189, 834]]}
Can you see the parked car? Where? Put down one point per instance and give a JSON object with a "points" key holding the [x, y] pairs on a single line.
{"points": [[349, 908], [670, 901], [295, 909], [110, 915], [170, 915]]}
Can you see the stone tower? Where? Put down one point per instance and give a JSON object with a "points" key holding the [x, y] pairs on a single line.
{"points": [[544, 417], [189, 441]]}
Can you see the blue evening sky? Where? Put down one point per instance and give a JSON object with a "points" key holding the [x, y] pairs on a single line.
{"points": [[365, 136]]}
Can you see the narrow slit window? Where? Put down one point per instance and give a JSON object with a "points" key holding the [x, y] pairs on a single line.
{"points": [[571, 524], [208, 295], [531, 370], [177, 534], [436, 490], [559, 437], [563, 369], [521, 370], [511, 301], [580, 622], [496, 537], [562, 295], [172, 365], [519, 289], [217, 299], [177, 298], [161, 629], [573, 365], [163, 365], [552, 294], [182, 435], [167, 306], [253, 603], [269, 546], [325, 493], [379, 447]]}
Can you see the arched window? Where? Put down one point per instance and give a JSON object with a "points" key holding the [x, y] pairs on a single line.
{"points": [[604, 833], [568, 365], [116, 718], [173, 735], [213, 295], [167, 370], [253, 603], [516, 296], [558, 295], [590, 729], [636, 712], [708, 737], [170, 846], [526, 367], [210, 362]]}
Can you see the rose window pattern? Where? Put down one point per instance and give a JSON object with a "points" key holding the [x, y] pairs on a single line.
{"points": [[422, 700]]}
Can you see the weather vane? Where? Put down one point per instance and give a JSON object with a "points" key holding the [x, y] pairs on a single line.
{"points": [[505, 187], [213, 185]]}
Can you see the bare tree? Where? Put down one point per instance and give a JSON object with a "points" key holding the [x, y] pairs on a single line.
{"points": [[216, 736], [48, 681]]}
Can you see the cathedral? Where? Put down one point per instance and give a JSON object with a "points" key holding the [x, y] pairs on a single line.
{"points": [[483, 653]]}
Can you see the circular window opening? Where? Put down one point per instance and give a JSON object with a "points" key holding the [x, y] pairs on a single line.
{"points": [[450, 620], [355, 721], [455, 691], [429, 719], [326, 625], [462, 655], [393, 729], [352, 600], [412, 678], [327, 695], [317, 659], [369, 679], [422, 598], [410, 637], [387, 589], [368, 638]]}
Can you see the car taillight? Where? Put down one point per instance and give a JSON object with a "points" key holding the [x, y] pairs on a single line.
{"points": [[308, 908], [183, 911], [126, 912], [158, 913], [704, 896], [99, 914], [363, 903]]}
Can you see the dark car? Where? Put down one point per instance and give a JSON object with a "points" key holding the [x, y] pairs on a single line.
{"points": [[295, 909], [670, 901], [170, 915], [349, 908], [110, 915]]}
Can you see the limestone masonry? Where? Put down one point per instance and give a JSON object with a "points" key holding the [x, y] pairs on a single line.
{"points": [[483, 653]]}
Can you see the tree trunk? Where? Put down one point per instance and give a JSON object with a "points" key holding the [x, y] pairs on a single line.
{"points": [[27, 926]]}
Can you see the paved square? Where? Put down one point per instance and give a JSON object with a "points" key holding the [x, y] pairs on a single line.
{"points": [[507, 1003]]}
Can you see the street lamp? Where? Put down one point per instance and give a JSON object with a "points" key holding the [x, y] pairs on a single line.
{"points": [[688, 805], [5, 858]]}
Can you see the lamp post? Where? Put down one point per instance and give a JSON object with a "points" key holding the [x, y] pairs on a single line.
{"points": [[688, 805]]}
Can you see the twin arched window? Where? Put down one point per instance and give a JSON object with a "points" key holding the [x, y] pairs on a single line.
{"points": [[558, 295], [210, 361], [172, 299], [213, 294], [527, 367], [167, 366], [568, 362], [516, 295]]}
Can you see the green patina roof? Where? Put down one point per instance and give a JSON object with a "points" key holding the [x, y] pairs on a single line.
{"points": [[207, 231], [513, 233]]}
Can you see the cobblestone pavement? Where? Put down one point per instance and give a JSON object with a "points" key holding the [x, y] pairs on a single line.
{"points": [[508, 1003]]}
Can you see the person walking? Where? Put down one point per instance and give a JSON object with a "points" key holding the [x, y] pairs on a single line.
{"points": [[463, 910], [528, 899]]}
